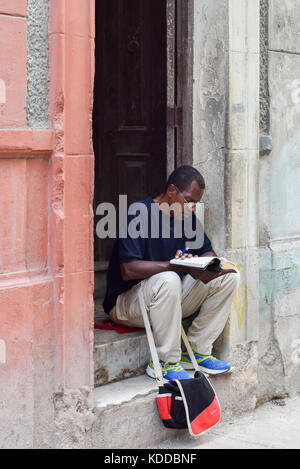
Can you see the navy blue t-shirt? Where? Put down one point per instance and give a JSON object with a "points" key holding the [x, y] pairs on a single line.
{"points": [[153, 245]]}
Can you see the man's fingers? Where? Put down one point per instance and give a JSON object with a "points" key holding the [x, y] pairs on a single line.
{"points": [[178, 254], [183, 256]]}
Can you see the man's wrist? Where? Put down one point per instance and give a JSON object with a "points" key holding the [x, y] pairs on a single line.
{"points": [[168, 266]]}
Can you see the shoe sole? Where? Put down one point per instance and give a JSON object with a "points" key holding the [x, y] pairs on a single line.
{"points": [[150, 372], [189, 366]]}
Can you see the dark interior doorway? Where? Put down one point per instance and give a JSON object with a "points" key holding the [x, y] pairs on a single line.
{"points": [[129, 106], [137, 118]]}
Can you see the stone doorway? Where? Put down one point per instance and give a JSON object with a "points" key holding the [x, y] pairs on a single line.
{"points": [[137, 121]]}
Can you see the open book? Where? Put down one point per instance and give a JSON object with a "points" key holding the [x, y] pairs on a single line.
{"points": [[217, 265]]}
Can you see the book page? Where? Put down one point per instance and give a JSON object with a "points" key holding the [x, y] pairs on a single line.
{"points": [[227, 265], [198, 262]]}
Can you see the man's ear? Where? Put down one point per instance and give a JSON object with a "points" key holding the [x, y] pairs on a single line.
{"points": [[171, 191]]}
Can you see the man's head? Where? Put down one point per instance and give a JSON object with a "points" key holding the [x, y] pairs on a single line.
{"points": [[185, 186]]}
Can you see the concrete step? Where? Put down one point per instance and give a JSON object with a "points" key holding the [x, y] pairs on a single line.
{"points": [[117, 356], [126, 414]]}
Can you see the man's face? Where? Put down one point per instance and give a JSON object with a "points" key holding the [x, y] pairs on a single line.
{"points": [[187, 198]]}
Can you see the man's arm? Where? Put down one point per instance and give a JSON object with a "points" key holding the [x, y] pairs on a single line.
{"points": [[136, 270]]}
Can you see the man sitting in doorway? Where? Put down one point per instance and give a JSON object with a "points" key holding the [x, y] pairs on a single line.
{"points": [[143, 262]]}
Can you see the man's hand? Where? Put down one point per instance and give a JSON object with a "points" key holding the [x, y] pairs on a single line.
{"points": [[198, 274], [138, 270], [204, 275], [179, 255]]}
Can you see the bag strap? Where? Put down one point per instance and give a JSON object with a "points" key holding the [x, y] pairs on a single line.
{"points": [[189, 350], [153, 351]]}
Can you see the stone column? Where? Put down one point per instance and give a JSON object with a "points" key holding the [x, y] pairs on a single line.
{"points": [[71, 75], [242, 190], [226, 151], [279, 345]]}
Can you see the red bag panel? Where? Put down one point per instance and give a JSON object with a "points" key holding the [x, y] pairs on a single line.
{"points": [[209, 417], [164, 406]]}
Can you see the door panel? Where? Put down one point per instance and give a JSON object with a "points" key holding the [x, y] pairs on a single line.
{"points": [[129, 103], [175, 72]]}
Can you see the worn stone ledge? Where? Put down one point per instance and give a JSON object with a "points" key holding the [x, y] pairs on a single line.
{"points": [[28, 143], [15, 8], [131, 404], [24, 278]]}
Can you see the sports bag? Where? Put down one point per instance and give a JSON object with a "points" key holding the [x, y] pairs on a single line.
{"points": [[187, 403]]}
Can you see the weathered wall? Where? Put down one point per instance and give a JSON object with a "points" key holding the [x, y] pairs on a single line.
{"points": [[46, 234], [226, 119], [246, 86], [210, 101], [279, 207], [37, 63], [26, 290]]}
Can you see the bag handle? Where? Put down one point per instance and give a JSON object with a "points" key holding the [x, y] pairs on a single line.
{"points": [[189, 349], [153, 351]]}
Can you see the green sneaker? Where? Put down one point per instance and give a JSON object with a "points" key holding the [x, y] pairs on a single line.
{"points": [[207, 363], [150, 368], [175, 371]]}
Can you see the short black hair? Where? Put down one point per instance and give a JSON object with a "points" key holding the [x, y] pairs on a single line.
{"points": [[183, 177]]}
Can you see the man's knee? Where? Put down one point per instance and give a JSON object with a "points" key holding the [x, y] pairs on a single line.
{"points": [[233, 279], [170, 280], [170, 283]]}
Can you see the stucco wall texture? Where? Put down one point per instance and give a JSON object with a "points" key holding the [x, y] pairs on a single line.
{"points": [[45, 291], [263, 331], [279, 343], [37, 63]]}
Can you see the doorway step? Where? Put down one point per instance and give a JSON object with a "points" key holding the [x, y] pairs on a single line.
{"points": [[126, 414], [117, 356], [124, 396]]}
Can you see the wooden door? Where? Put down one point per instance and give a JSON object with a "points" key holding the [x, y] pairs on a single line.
{"points": [[176, 26], [138, 101], [130, 103]]}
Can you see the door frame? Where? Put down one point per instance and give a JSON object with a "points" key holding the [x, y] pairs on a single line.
{"points": [[179, 17], [71, 185], [70, 263], [71, 181], [179, 86]]}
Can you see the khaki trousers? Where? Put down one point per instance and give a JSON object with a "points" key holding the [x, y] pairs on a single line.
{"points": [[169, 299]]}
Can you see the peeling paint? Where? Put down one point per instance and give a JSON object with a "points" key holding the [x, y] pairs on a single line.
{"points": [[74, 417], [240, 302]]}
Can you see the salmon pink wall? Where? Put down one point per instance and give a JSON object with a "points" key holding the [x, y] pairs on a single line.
{"points": [[46, 228], [71, 73]]}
